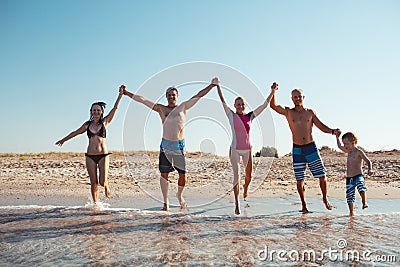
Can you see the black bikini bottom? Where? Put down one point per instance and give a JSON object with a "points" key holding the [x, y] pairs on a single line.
{"points": [[97, 158]]}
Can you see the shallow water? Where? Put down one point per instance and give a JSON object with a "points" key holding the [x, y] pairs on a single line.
{"points": [[270, 231]]}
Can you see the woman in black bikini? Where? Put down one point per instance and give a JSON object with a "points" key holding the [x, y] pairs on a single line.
{"points": [[97, 153]]}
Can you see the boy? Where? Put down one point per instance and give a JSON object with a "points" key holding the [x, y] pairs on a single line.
{"points": [[354, 173]]}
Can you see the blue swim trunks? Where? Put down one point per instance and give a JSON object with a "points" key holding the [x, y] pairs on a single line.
{"points": [[173, 145], [172, 156], [309, 154], [351, 184]]}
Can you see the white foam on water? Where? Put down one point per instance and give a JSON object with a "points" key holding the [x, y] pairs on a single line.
{"points": [[88, 206], [97, 206], [45, 207], [224, 207]]}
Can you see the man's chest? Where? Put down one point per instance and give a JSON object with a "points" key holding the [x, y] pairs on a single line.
{"points": [[302, 118]]}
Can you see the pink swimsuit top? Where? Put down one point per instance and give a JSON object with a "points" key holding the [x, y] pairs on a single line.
{"points": [[240, 126]]}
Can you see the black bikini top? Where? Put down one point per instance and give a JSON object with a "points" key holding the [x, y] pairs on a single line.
{"points": [[101, 132]]}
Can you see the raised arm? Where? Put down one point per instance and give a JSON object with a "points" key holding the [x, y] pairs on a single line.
{"points": [[339, 144], [111, 114], [148, 103], [224, 105], [261, 108], [278, 108], [323, 127], [78, 131], [191, 102]]}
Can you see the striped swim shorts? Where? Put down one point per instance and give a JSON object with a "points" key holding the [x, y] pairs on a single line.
{"points": [[351, 184], [309, 154]]}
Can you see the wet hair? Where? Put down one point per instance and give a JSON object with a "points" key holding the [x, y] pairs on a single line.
{"points": [[172, 88], [102, 106], [350, 136], [297, 90]]}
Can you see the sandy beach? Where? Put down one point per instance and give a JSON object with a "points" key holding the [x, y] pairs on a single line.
{"points": [[44, 209], [47, 176]]}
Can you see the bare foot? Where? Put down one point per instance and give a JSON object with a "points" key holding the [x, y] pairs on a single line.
{"points": [[183, 206], [327, 204], [245, 193], [237, 211], [351, 214], [304, 210], [182, 203], [166, 207], [365, 205], [107, 191]]}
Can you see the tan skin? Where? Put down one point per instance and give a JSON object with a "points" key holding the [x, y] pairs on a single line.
{"points": [[97, 146], [355, 159], [301, 121], [173, 117], [240, 107]]}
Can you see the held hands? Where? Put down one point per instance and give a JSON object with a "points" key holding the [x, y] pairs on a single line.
{"points": [[336, 132], [274, 87], [215, 81], [122, 89]]}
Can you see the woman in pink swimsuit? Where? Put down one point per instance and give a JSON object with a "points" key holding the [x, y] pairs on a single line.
{"points": [[97, 153], [240, 125]]}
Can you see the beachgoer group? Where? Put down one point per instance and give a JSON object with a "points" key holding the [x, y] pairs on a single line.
{"points": [[172, 148]]}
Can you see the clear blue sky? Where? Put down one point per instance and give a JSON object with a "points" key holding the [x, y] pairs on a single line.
{"points": [[57, 57]]}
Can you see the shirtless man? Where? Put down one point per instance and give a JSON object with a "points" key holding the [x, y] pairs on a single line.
{"points": [[173, 117], [301, 121]]}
